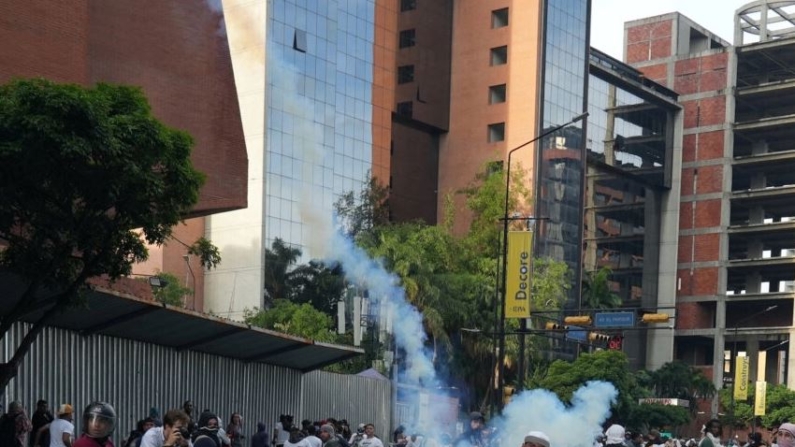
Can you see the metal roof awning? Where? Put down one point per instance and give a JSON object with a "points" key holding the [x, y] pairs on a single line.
{"points": [[112, 313]]}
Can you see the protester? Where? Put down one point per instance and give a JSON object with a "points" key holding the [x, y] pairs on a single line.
{"points": [[536, 439], [235, 430], [474, 436], [712, 433], [99, 421], [328, 436], [260, 438], [60, 432], [14, 426], [171, 434], [785, 436], [41, 417]]}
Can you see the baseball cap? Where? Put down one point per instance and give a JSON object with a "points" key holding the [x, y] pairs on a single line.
{"points": [[65, 409]]}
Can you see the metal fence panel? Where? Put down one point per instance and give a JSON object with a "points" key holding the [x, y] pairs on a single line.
{"points": [[65, 367], [357, 399]]}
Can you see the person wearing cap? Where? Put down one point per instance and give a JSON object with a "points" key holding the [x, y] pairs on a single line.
{"points": [[329, 436], [474, 436], [536, 439], [61, 431]]}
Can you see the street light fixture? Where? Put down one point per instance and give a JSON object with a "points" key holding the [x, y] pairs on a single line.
{"points": [[506, 218], [734, 358]]}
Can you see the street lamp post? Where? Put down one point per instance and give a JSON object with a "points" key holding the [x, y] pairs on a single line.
{"points": [[734, 358], [506, 218]]}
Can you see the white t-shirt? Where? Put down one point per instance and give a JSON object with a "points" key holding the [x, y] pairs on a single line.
{"points": [[371, 442], [282, 435], [154, 438], [57, 428], [301, 443], [314, 441]]}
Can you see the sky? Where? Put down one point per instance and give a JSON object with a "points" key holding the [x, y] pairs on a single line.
{"points": [[608, 17]]}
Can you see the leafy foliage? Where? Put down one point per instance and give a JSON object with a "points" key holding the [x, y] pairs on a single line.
{"points": [[779, 407], [208, 253], [80, 168], [312, 283], [596, 293], [563, 378], [678, 380], [302, 320], [278, 262], [173, 293], [359, 215], [655, 415]]}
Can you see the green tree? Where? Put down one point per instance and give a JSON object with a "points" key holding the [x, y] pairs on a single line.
{"points": [[318, 285], [358, 214], [646, 416], [563, 378], [173, 293], [80, 168], [302, 320], [679, 380], [279, 260], [596, 293], [779, 407]]}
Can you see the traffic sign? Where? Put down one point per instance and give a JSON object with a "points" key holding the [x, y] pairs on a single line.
{"points": [[614, 319], [577, 333]]}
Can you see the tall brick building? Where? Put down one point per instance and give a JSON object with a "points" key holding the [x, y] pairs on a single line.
{"points": [[735, 261], [173, 51]]}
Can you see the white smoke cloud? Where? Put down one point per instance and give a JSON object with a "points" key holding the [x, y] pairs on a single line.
{"points": [[566, 426]]}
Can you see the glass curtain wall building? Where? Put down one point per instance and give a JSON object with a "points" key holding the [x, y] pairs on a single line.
{"points": [[319, 110], [561, 156]]}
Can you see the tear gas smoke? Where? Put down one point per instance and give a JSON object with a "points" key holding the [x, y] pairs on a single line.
{"points": [[567, 426]]}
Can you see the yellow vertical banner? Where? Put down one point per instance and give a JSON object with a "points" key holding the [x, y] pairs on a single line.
{"points": [[518, 271], [760, 398], [741, 378]]}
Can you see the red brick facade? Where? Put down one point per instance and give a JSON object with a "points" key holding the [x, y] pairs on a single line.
{"points": [[171, 49]]}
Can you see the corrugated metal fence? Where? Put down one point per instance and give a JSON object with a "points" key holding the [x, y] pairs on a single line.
{"points": [[357, 399], [65, 367]]}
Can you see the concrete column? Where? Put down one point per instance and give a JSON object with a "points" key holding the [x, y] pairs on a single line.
{"points": [[753, 283], [717, 354], [758, 180], [756, 215], [790, 360]]}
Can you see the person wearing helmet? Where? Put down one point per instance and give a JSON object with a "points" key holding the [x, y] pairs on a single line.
{"points": [[99, 421]]}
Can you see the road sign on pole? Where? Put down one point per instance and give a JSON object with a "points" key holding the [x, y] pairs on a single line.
{"points": [[614, 319], [577, 333]]}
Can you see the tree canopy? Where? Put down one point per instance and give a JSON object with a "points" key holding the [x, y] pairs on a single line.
{"points": [[80, 169]]}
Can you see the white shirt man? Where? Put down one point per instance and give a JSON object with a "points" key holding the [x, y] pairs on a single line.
{"points": [[370, 440], [169, 435], [62, 431]]}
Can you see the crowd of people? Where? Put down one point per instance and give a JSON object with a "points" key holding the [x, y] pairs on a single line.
{"points": [[177, 428]]}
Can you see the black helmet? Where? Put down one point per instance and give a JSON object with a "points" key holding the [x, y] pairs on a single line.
{"points": [[99, 420]]}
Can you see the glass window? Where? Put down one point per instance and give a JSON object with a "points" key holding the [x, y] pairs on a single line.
{"points": [[497, 94], [499, 55], [499, 18], [408, 5], [496, 132], [405, 74], [405, 108], [407, 38]]}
